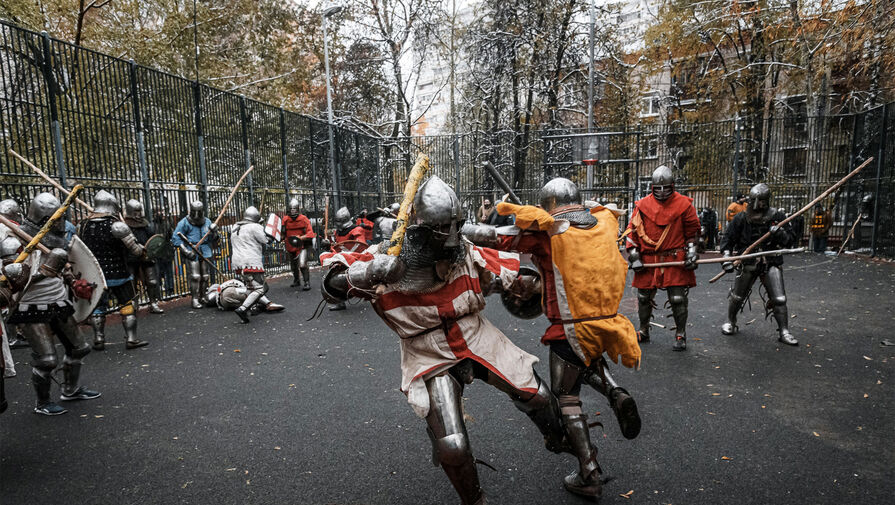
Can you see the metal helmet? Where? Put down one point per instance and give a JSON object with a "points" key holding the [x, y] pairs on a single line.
{"points": [[759, 199], [197, 213], [9, 249], [10, 209], [662, 183], [252, 214], [134, 209], [437, 207], [558, 192], [42, 207], [105, 203], [393, 209], [343, 220], [294, 207]]}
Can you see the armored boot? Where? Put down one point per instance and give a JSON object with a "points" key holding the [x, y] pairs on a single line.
{"points": [[154, 297], [129, 322], [465, 479], [677, 298], [306, 279], [296, 270], [543, 410], [195, 295], [42, 382], [621, 402], [71, 373], [98, 321], [585, 481], [733, 308], [781, 315], [338, 306]]}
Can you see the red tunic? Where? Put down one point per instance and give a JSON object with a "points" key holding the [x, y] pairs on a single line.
{"points": [[367, 226], [300, 226], [679, 216], [537, 244], [356, 233]]}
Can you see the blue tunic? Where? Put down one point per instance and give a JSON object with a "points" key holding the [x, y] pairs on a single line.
{"points": [[193, 233]]}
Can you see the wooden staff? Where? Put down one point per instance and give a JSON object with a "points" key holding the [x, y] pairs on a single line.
{"points": [[24, 237], [413, 183], [263, 196], [226, 204], [59, 214], [804, 209], [851, 233], [724, 260], [50, 180]]}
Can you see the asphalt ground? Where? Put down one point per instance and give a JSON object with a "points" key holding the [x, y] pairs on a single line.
{"points": [[286, 411]]}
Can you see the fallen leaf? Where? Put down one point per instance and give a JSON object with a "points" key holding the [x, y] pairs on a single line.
{"points": [[868, 358], [865, 396], [710, 413], [277, 448], [716, 394], [99, 416], [230, 470], [627, 495], [236, 350], [763, 407], [816, 434], [697, 339], [725, 458]]}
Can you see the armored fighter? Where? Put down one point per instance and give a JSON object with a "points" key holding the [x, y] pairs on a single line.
{"points": [[248, 240], [299, 243], [15, 278], [113, 244], [664, 227], [431, 295], [141, 268], [194, 226], [758, 218], [10, 209], [572, 246], [351, 238], [45, 309]]}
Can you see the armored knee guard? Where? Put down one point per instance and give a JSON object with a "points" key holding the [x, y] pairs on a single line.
{"points": [[129, 322], [543, 410], [98, 322], [677, 298]]}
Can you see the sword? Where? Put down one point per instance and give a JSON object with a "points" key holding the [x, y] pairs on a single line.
{"points": [[501, 182], [195, 249]]}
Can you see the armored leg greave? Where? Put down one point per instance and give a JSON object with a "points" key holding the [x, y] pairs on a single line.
{"points": [[773, 283], [153, 290], [98, 322], [677, 298], [737, 297], [622, 403], [305, 269], [42, 382], [450, 442], [295, 268], [195, 282], [645, 306], [71, 373], [543, 410]]}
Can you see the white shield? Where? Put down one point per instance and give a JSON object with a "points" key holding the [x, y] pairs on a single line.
{"points": [[274, 227], [85, 266]]}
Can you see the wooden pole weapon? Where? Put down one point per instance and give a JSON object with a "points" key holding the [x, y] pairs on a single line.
{"points": [[224, 208], [417, 173]]}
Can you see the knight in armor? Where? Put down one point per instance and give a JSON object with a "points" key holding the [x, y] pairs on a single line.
{"points": [[746, 228], [45, 309], [366, 225], [15, 279], [194, 226], [10, 209], [248, 240], [345, 231], [445, 341], [114, 245], [141, 268], [664, 227], [583, 314], [299, 238]]}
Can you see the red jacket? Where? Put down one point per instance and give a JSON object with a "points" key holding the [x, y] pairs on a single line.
{"points": [[676, 218], [356, 233], [300, 226]]}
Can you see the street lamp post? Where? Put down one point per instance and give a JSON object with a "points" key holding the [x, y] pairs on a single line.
{"points": [[330, 11]]}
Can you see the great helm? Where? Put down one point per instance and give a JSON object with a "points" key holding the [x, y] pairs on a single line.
{"points": [[662, 183], [759, 199], [252, 214], [557, 193], [105, 203], [197, 213], [10, 209], [437, 207], [134, 209], [294, 207], [343, 220], [42, 207]]}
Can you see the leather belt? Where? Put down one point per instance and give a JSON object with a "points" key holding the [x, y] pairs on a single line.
{"points": [[582, 319]]}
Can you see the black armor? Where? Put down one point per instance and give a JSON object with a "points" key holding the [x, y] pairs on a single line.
{"points": [[110, 252]]}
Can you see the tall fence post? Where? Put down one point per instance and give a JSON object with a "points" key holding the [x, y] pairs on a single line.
{"points": [[47, 68], [200, 142], [244, 120], [736, 155], [637, 162], [880, 161], [141, 147], [456, 152], [283, 150], [379, 176]]}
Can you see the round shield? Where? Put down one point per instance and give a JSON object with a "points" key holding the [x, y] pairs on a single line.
{"points": [[157, 247], [523, 308]]}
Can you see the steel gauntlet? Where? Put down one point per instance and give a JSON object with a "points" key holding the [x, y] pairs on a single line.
{"points": [[634, 260], [691, 257], [727, 266], [186, 251], [480, 234], [383, 269], [335, 285]]}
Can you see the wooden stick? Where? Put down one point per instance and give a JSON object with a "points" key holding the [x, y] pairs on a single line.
{"points": [[50, 180], [851, 233], [724, 260], [18, 232], [59, 214], [226, 204], [413, 183], [326, 217], [804, 209]]}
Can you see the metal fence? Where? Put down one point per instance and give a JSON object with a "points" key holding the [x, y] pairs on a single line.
{"points": [[86, 117], [89, 118]]}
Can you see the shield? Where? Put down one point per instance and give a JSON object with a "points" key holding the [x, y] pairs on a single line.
{"points": [[274, 227], [157, 247], [349, 246], [84, 266]]}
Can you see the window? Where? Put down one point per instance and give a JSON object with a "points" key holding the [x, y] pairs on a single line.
{"points": [[651, 105]]}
